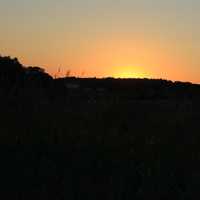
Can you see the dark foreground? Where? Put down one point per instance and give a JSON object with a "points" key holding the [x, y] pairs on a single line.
{"points": [[97, 139]]}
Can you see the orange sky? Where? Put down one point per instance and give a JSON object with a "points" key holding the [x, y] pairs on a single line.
{"points": [[105, 38]]}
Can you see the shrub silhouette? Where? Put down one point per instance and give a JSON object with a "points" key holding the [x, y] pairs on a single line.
{"points": [[10, 69]]}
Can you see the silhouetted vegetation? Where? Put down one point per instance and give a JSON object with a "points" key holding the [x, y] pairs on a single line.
{"points": [[88, 138]]}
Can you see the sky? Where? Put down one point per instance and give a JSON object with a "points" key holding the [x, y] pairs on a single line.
{"points": [[101, 38]]}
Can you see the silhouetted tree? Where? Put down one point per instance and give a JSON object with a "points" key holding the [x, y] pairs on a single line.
{"points": [[10, 68]]}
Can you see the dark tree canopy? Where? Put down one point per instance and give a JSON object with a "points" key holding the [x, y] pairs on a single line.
{"points": [[9, 66]]}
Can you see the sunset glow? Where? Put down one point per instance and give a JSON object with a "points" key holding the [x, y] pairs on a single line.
{"points": [[128, 72], [90, 38]]}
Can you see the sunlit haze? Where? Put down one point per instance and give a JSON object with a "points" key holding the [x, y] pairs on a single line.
{"points": [[105, 38]]}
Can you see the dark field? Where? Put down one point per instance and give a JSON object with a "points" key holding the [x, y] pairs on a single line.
{"points": [[75, 138]]}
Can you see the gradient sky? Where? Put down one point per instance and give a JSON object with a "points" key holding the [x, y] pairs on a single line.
{"points": [[138, 38]]}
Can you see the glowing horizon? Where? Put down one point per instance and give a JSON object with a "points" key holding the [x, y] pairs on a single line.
{"points": [[107, 38]]}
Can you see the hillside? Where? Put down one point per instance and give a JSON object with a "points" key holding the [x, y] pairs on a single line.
{"points": [[75, 138]]}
